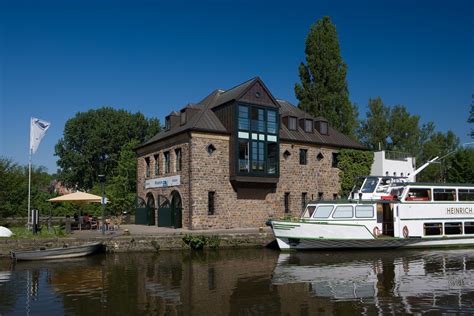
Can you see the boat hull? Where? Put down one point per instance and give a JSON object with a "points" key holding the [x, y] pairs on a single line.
{"points": [[58, 253], [315, 236]]}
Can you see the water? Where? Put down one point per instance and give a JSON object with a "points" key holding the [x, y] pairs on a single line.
{"points": [[242, 282]]}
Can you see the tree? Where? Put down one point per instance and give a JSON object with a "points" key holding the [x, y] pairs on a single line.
{"points": [[374, 130], [404, 130], [439, 145], [93, 140], [14, 192], [461, 166], [323, 89], [353, 163]]}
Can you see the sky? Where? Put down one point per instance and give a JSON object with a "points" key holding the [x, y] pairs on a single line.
{"points": [[58, 58]]}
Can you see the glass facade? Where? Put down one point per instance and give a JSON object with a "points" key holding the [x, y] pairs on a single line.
{"points": [[257, 146]]}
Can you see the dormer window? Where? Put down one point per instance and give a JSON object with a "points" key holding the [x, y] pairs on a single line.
{"points": [[321, 125], [308, 126], [292, 123], [167, 123], [183, 117]]}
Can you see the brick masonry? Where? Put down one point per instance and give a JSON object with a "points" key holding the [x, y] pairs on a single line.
{"points": [[236, 207]]}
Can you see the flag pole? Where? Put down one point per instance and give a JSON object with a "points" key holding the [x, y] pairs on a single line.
{"points": [[29, 189]]}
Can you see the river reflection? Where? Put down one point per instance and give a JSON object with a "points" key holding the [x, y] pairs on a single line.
{"points": [[242, 282]]}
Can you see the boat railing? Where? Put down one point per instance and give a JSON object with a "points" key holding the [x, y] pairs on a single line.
{"points": [[397, 155]]}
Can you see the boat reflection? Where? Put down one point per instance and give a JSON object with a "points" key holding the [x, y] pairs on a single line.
{"points": [[405, 277]]}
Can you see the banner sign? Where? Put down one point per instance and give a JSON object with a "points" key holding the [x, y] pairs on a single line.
{"points": [[38, 129], [163, 182]]}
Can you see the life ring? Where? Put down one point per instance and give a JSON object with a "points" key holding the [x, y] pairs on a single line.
{"points": [[405, 231], [376, 231]]}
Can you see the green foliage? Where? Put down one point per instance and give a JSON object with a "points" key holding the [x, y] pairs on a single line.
{"points": [[461, 166], [23, 233], [374, 130], [323, 89], [92, 143], [438, 144], [404, 130], [196, 242], [353, 163], [14, 189], [214, 242]]}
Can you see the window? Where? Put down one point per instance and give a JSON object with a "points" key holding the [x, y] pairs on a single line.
{"points": [[244, 162], [334, 196], [343, 211], [157, 164], [147, 168], [257, 119], [210, 202], [418, 194], [453, 228], [292, 123], [323, 128], [466, 194], [167, 123], [308, 126], [244, 117], [444, 194], [303, 200], [166, 156], [258, 156], [469, 228], [432, 229], [303, 156], [183, 117], [210, 149], [364, 211], [320, 195], [335, 160], [178, 159], [271, 122], [287, 202], [320, 157], [257, 145], [272, 154], [370, 184], [286, 154], [309, 211], [323, 211]]}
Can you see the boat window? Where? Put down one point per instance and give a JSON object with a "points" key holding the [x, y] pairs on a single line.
{"points": [[396, 192], [469, 228], [364, 211], [370, 184], [444, 194], [343, 211], [309, 211], [419, 194], [453, 228], [466, 194], [432, 229], [323, 211]]}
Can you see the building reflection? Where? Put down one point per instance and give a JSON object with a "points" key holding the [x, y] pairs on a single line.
{"points": [[249, 282]]}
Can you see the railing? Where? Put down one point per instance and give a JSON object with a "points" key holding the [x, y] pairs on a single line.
{"points": [[397, 155]]}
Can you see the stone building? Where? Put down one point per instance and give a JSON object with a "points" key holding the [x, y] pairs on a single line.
{"points": [[237, 158]]}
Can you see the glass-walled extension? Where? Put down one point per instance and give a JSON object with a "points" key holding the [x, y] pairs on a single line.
{"points": [[258, 143]]}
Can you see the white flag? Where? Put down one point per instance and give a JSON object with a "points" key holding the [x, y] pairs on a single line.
{"points": [[37, 130]]}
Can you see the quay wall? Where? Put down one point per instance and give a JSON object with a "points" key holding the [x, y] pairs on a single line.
{"points": [[141, 243]]}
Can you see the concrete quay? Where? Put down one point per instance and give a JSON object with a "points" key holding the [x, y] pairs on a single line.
{"points": [[140, 238]]}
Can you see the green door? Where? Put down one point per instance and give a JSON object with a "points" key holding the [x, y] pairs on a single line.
{"points": [[164, 212], [176, 210]]}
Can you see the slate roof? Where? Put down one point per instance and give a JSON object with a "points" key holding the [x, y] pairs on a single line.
{"points": [[200, 117]]}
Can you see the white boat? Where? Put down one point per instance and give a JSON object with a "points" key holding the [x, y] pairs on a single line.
{"points": [[58, 253], [413, 215]]}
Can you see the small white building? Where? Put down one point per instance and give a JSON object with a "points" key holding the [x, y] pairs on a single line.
{"points": [[393, 163]]}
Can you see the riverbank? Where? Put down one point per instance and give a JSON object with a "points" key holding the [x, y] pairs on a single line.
{"points": [[139, 238]]}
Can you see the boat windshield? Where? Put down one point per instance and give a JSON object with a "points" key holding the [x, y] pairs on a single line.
{"points": [[308, 212], [370, 184]]}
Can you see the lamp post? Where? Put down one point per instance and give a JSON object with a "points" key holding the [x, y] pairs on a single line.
{"points": [[102, 185]]}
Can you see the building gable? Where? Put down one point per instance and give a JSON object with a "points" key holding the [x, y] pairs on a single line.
{"points": [[257, 93]]}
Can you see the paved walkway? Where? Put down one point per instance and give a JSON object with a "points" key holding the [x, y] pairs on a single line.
{"points": [[144, 230]]}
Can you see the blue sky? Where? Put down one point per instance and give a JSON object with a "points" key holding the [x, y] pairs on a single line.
{"points": [[58, 58]]}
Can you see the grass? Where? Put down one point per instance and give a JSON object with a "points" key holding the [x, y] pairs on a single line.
{"points": [[20, 232]]}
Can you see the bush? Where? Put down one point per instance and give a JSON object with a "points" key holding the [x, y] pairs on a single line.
{"points": [[353, 163], [196, 242]]}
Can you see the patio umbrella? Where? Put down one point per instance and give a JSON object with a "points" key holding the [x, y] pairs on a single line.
{"points": [[79, 198]]}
